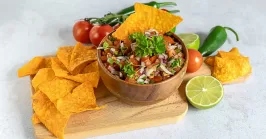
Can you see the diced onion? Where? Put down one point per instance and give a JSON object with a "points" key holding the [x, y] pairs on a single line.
{"points": [[165, 70]]}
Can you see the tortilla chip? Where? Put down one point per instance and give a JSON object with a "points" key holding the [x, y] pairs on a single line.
{"points": [[93, 67], [35, 119], [235, 51], [228, 69], [43, 75], [64, 54], [92, 77], [32, 67], [57, 88], [81, 99], [209, 60], [59, 68], [46, 111], [145, 18], [80, 57], [47, 62], [225, 69]]}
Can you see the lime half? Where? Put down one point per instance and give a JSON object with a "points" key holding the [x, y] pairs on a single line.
{"points": [[204, 92], [190, 40]]}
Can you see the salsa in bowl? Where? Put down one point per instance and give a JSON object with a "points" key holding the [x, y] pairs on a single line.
{"points": [[144, 58], [134, 76]]}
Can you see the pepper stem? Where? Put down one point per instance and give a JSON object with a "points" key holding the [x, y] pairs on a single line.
{"points": [[174, 11], [228, 28], [165, 4]]}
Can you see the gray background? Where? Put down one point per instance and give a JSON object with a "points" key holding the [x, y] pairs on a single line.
{"points": [[30, 27]]}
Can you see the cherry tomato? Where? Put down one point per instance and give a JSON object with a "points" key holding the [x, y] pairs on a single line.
{"points": [[194, 60], [97, 33], [81, 31]]}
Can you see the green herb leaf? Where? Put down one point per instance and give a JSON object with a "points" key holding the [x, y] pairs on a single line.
{"points": [[110, 61], [143, 44], [158, 44], [105, 45], [129, 70], [176, 63]]}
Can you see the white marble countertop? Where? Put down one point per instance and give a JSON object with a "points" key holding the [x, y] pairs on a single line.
{"points": [[29, 28]]}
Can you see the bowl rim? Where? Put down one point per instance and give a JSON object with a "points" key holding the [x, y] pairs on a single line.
{"points": [[143, 85]]}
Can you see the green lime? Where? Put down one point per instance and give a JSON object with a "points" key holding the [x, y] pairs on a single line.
{"points": [[190, 40], [204, 92]]}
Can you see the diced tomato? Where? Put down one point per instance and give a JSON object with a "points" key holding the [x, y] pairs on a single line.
{"points": [[153, 58], [147, 62], [168, 39], [103, 53], [116, 43], [143, 59], [134, 62], [104, 58], [127, 42], [157, 78], [171, 53]]}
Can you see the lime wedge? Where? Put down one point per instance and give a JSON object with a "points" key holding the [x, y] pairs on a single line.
{"points": [[204, 92], [190, 40]]}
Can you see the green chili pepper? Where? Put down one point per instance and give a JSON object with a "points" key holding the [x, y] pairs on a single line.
{"points": [[130, 10], [215, 40]]}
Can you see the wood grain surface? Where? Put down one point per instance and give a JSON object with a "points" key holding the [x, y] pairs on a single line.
{"points": [[120, 117]]}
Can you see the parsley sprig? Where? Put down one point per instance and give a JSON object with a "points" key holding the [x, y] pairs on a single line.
{"points": [[146, 46]]}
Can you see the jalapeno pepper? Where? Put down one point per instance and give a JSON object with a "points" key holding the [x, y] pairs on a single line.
{"points": [[215, 40], [130, 10]]}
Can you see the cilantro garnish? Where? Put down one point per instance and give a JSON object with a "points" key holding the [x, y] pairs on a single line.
{"points": [[105, 45], [158, 44], [146, 46], [129, 70], [176, 63]]}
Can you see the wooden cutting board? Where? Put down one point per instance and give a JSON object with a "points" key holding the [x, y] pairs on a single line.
{"points": [[119, 117]]}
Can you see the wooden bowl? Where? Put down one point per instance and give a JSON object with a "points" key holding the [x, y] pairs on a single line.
{"points": [[147, 93]]}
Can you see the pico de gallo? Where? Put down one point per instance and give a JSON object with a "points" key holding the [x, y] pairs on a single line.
{"points": [[144, 58]]}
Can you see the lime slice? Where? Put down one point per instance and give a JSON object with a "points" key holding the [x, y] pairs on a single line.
{"points": [[204, 92], [190, 40]]}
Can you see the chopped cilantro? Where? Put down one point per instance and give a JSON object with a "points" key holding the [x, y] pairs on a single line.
{"points": [[105, 45], [176, 63], [110, 61], [129, 70]]}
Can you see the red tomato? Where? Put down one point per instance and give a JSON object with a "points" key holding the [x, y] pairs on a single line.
{"points": [[194, 60], [97, 33], [81, 31]]}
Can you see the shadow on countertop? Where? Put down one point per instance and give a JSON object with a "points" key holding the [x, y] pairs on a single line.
{"points": [[21, 98]]}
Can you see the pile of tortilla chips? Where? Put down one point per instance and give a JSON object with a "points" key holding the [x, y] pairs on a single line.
{"points": [[228, 66], [63, 85], [145, 18]]}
